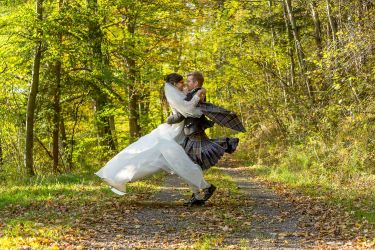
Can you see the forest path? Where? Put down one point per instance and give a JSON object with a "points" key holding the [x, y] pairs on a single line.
{"points": [[242, 214]]}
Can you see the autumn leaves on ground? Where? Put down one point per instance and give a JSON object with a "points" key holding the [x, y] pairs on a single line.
{"points": [[246, 212]]}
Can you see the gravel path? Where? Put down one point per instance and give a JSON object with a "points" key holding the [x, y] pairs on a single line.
{"points": [[255, 217], [275, 220]]}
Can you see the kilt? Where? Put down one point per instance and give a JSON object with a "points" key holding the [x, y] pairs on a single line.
{"points": [[207, 152]]}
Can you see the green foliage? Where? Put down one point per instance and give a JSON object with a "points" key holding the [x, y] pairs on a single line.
{"points": [[315, 119], [336, 172]]}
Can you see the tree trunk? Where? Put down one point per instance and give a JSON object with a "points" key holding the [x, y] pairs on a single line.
{"points": [[274, 54], [298, 46], [1, 153], [144, 106], [317, 26], [56, 117], [64, 143], [162, 105], [71, 141], [134, 128], [361, 10], [271, 26], [56, 106], [31, 103], [332, 23], [110, 119], [100, 98], [112, 126], [103, 121], [64, 140], [290, 47]]}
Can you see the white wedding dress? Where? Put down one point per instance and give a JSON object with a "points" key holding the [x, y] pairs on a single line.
{"points": [[156, 151]]}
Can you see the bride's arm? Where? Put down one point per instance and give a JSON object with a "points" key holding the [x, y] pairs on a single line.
{"points": [[175, 118], [176, 100], [199, 96], [192, 103]]}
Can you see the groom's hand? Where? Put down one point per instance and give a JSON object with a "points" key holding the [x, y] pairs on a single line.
{"points": [[202, 94]]}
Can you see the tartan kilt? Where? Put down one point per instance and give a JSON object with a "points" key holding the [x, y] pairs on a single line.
{"points": [[207, 152]]}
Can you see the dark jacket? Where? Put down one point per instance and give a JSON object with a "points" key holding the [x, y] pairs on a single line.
{"points": [[192, 125]]}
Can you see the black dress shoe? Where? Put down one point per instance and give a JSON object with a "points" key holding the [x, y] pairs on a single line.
{"points": [[208, 192], [194, 201], [231, 147]]}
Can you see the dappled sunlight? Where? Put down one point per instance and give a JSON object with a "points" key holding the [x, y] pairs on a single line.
{"points": [[240, 213], [101, 120], [70, 188], [43, 214], [32, 233]]}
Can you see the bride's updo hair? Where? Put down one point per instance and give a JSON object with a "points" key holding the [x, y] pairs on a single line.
{"points": [[173, 78]]}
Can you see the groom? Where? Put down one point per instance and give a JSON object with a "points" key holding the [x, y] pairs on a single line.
{"points": [[202, 150]]}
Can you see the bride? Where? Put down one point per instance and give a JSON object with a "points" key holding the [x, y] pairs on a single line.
{"points": [[160, 149]]}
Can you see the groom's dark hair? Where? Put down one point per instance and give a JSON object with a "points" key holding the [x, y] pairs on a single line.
{"points": [[197, 76], [173, 78]]}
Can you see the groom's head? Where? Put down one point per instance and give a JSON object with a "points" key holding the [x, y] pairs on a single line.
{"points": [[195, 80]]}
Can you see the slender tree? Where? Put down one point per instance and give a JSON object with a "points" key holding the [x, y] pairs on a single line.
{"points": [[290, 46], [100, 97], [56, 102], [133, 96], [332, 23], [1, 153], [31, 103], [298, 46], [317, 28]]}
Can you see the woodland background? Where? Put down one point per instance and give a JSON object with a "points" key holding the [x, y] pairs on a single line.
{"points": [[80, 80]]}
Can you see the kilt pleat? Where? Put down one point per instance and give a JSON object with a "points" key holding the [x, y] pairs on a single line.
{"points": [[207, 152]]}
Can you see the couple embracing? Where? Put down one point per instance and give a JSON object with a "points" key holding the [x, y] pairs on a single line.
{"points": [[179, 146]]}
